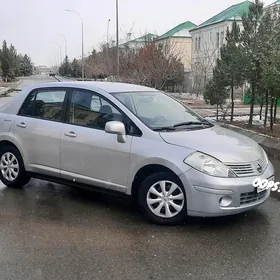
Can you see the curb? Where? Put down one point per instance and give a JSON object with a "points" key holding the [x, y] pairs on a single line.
{"points": [[13, 83], [16, 83], [270, 144], [5, 92]]}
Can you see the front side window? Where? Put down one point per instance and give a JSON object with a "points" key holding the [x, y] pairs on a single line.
{"points": [[90, 110], [156, 109], [44, 104]]}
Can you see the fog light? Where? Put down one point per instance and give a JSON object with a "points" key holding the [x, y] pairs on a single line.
{"points": [[225, 201]]}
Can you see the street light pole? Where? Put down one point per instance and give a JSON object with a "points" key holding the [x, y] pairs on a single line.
{"points": [[60, 59], [108, 44], [83, 62], [65, 41], [108, 31], [117, 39], [114, 61]]}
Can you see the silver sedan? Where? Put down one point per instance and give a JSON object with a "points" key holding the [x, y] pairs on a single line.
{"points": [[135, 141]]}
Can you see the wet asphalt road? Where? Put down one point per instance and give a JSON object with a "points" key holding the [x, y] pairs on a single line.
{"points": [[26, 82], [50, 231]]}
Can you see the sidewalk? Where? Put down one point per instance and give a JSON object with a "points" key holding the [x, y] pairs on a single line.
{"points": [[204, 109], [5, 85], [278, 113], [4, 91]]}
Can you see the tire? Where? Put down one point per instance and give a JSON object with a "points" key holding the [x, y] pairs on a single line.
{"points": [[159, 209], [16, 181]]}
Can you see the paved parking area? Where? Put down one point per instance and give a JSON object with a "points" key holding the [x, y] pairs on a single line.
{"points": [[50, 231]]}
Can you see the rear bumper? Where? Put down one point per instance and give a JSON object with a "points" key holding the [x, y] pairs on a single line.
{"points": [[204, 193]]}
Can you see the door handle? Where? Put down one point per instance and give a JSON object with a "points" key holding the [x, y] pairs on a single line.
{"points": [[71, 134], [22, 124]]}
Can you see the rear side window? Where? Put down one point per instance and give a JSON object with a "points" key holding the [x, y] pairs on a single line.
{"points": [[27, 107], [44, 104]]}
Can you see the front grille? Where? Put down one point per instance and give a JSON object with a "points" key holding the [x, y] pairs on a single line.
{"points": [[251, 197], [250, 169], [242, 169]]}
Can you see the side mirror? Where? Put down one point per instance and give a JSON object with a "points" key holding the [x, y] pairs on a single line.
{"points": [[118, 128]]}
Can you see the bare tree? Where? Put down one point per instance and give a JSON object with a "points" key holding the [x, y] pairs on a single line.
{"points": [[205, 52], [203, 63], [150, 66], [146, 63]]}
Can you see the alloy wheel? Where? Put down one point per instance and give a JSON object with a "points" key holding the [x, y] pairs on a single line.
{"points": [[165, 199], [9, 166]]}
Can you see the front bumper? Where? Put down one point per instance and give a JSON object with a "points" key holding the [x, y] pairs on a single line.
{"points": [[204, 193]]}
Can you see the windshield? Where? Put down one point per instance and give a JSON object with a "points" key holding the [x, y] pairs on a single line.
{"points": [[157, 110]]}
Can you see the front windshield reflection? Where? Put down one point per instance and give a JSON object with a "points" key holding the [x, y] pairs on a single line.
{"points": [[157, 110]]}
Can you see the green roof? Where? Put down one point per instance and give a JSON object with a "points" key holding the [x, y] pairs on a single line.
{"points": [[185, 26], [234, 12], [146, 37]]}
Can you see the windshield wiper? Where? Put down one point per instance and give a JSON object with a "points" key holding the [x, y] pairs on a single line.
{"points": [[168, 128], [191, 123], [172, 128]]}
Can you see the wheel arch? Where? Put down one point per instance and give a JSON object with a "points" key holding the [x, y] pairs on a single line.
{"points": [[144, 172], [11, 142]]}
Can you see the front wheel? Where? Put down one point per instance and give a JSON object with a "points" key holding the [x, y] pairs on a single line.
{"points": [[12, 171], [162, 198]]}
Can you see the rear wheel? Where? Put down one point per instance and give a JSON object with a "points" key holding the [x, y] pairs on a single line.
{"points": [[12, 171], [162, 198]]}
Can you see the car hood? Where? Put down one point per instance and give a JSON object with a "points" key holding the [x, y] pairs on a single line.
{"points": [[226, 145]]}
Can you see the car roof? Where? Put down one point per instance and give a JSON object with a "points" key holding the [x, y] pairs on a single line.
{"points": [[110, 87], [13, 106]]}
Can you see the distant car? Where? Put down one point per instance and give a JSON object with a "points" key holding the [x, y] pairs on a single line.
{"points": [[52, 73], [133, 140]]}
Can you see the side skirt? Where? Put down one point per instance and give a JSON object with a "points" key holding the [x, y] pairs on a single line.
{"points": [[116, 194]]}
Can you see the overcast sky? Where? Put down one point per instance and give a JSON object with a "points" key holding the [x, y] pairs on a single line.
{"points": [[31, 25]]}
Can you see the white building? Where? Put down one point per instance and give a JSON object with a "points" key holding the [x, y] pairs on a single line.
{"points": [[208, 37], [274, 4], [178, 42], [135, 44]]}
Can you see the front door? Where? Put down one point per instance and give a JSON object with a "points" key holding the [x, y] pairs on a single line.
{"points": [[89, 155]]}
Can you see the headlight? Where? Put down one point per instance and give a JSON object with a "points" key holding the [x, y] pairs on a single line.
{"points": [[265, 156], [209, 165]]}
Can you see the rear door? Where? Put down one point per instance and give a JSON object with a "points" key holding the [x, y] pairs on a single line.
{"points": [[38, 130]]}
